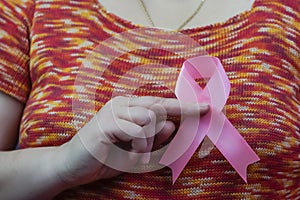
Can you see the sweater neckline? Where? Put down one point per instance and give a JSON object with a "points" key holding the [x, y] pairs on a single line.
{"points": [[129, 24]]}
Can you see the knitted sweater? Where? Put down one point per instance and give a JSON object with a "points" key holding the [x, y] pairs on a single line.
{"points": [[43, 48]]}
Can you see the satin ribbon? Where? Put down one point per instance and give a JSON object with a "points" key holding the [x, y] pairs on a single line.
{"points": [[214, 124]]}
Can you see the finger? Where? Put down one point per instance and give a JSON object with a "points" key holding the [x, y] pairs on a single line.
{"points": [[160, 112], [139, 145], [138, 115], [194, 109], [175, 108], [172, 106], [125, 131], [164, 134], [150, 131], [141, 138], [143, 117], [145, 158]]}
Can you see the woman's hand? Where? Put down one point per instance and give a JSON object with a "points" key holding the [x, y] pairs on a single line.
{"points": [[120, 136]]}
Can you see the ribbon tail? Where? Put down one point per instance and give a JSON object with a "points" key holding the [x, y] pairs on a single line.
{"points": [[178, 166], [235, 149], [177, 159]]}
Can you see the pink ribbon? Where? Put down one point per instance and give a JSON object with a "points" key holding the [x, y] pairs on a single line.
{"points": [[214, 124]]}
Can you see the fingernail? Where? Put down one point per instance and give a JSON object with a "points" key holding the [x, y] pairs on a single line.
{"points": [[204, 105], [145, 159]]}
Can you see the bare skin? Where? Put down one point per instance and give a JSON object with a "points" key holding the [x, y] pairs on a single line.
{"points": [[213, 11], [47, 171], [54, 169]]}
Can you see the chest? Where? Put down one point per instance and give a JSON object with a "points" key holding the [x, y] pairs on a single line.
{"points": [[171, 14], [81, 57]]}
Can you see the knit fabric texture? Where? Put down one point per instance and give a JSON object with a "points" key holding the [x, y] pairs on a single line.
{"points": [[44, 44]]}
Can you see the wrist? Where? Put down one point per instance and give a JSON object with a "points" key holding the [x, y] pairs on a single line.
{"points": [[52, 171], [75, 165], [61, 166]]}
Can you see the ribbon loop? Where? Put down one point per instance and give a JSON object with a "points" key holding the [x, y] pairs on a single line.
{"points": [[214, 124]]}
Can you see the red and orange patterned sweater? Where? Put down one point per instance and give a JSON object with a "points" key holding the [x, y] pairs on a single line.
{"points": [[43, 45]]}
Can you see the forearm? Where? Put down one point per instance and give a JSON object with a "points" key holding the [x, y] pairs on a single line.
{"points": [[30, 174]]}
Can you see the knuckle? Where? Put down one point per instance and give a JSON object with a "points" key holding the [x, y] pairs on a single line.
{"points": [[159, 100], [118, 98], [141, 111], [147, 99], [151, 114], [141, 116], [138, 133]]}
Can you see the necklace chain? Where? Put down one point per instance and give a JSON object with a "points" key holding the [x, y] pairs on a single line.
{"points": [[149, 18]]}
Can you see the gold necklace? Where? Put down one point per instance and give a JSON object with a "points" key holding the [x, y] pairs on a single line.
{"points": [[142, 3]]}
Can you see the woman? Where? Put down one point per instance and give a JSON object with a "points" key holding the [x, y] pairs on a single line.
{"points": [[43, 47]]}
